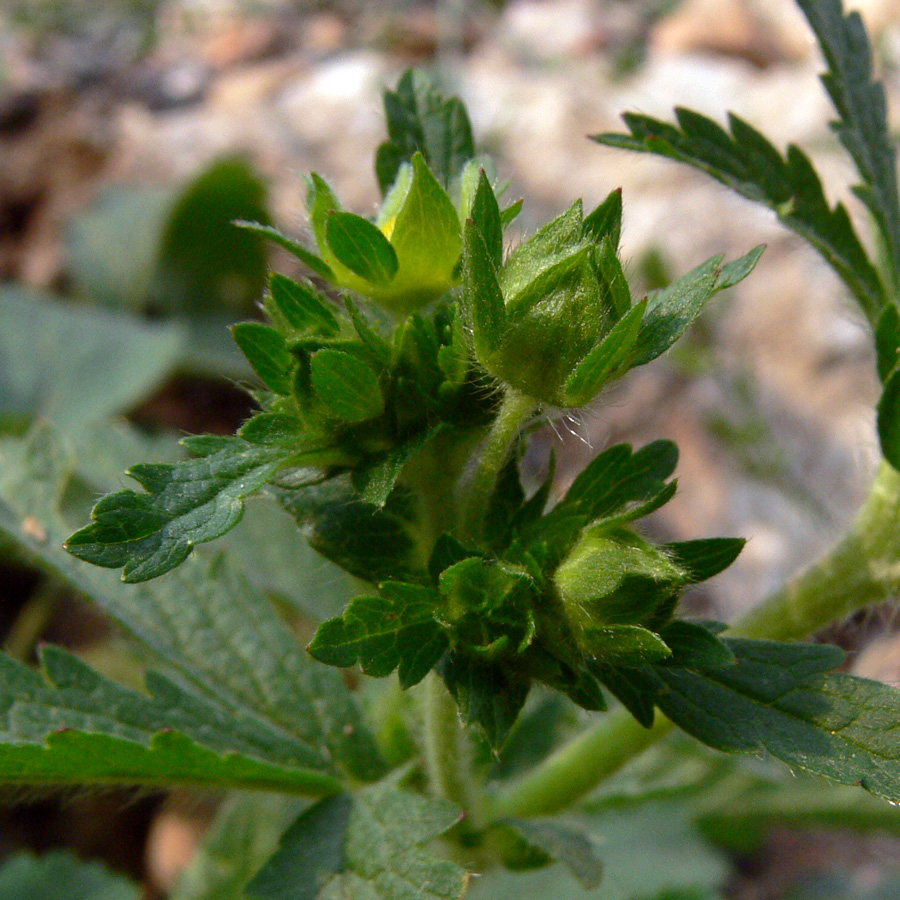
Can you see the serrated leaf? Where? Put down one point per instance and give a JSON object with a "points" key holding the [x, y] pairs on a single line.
{"points": [[367, 846], [295, 248], [227, 647], [301, 306], [394, 630], [267, 353], [61, 876], [83, 729], [185, 504], [671, 311], [420, 120], [347, 385], [76, 365], [863, 126], [783, 698], [361, 247], [746, 161], [573, 847]]}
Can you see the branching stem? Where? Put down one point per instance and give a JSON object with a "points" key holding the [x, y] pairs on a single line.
{"points": [[863, 569]]}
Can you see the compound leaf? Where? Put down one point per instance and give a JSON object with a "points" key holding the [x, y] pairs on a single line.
{"points": [[862, 125], [394, 630], [746, 161], [185, 503], [782, 698], [368, 846], [226, 651]]}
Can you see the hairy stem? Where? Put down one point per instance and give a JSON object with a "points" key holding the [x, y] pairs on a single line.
{"points": [[864, 568], [478, 484], [448, 760]]}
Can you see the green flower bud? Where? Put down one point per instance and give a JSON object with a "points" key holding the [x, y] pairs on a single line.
{"points": [[555, 321], [403, 260], [615, 578]]}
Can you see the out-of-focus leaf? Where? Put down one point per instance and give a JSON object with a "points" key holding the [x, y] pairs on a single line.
{"points": [[61, 876]]}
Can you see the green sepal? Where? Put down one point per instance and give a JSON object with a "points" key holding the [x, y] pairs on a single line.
{"points": [[272, 429], [426, 237], [606, 360], [361, 247], [623, 645], [485, 213], [313, 261], [702, 559], [634, 687], [605, 221], [267, 352], [301, 307], [482, 301], [447, 552], [394, 630], [694, 646], [887, 340], [509, 213], [671, 311], [347, 385], [321, 202], [612, 277]]}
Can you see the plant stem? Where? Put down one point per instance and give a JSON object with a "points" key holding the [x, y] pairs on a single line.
{"points": [[447, 750], [478, 484], [864, 568]]}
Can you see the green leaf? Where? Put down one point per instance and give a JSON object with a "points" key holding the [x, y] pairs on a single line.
{"points": [[347, 385], [301, 306], [671, 311], [361, 247], [420, 120], [79, 728], [746, 162], [862, 126], [205, 263], [267, 353], [783, 699], [296, 249], [395, 629], [227, 647], [887, 340], [76, 365], [482, 301], [185, 504], [695, 647], [572, 847], [485, 214], [370, 543], [61, 876], [367, 846]]}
